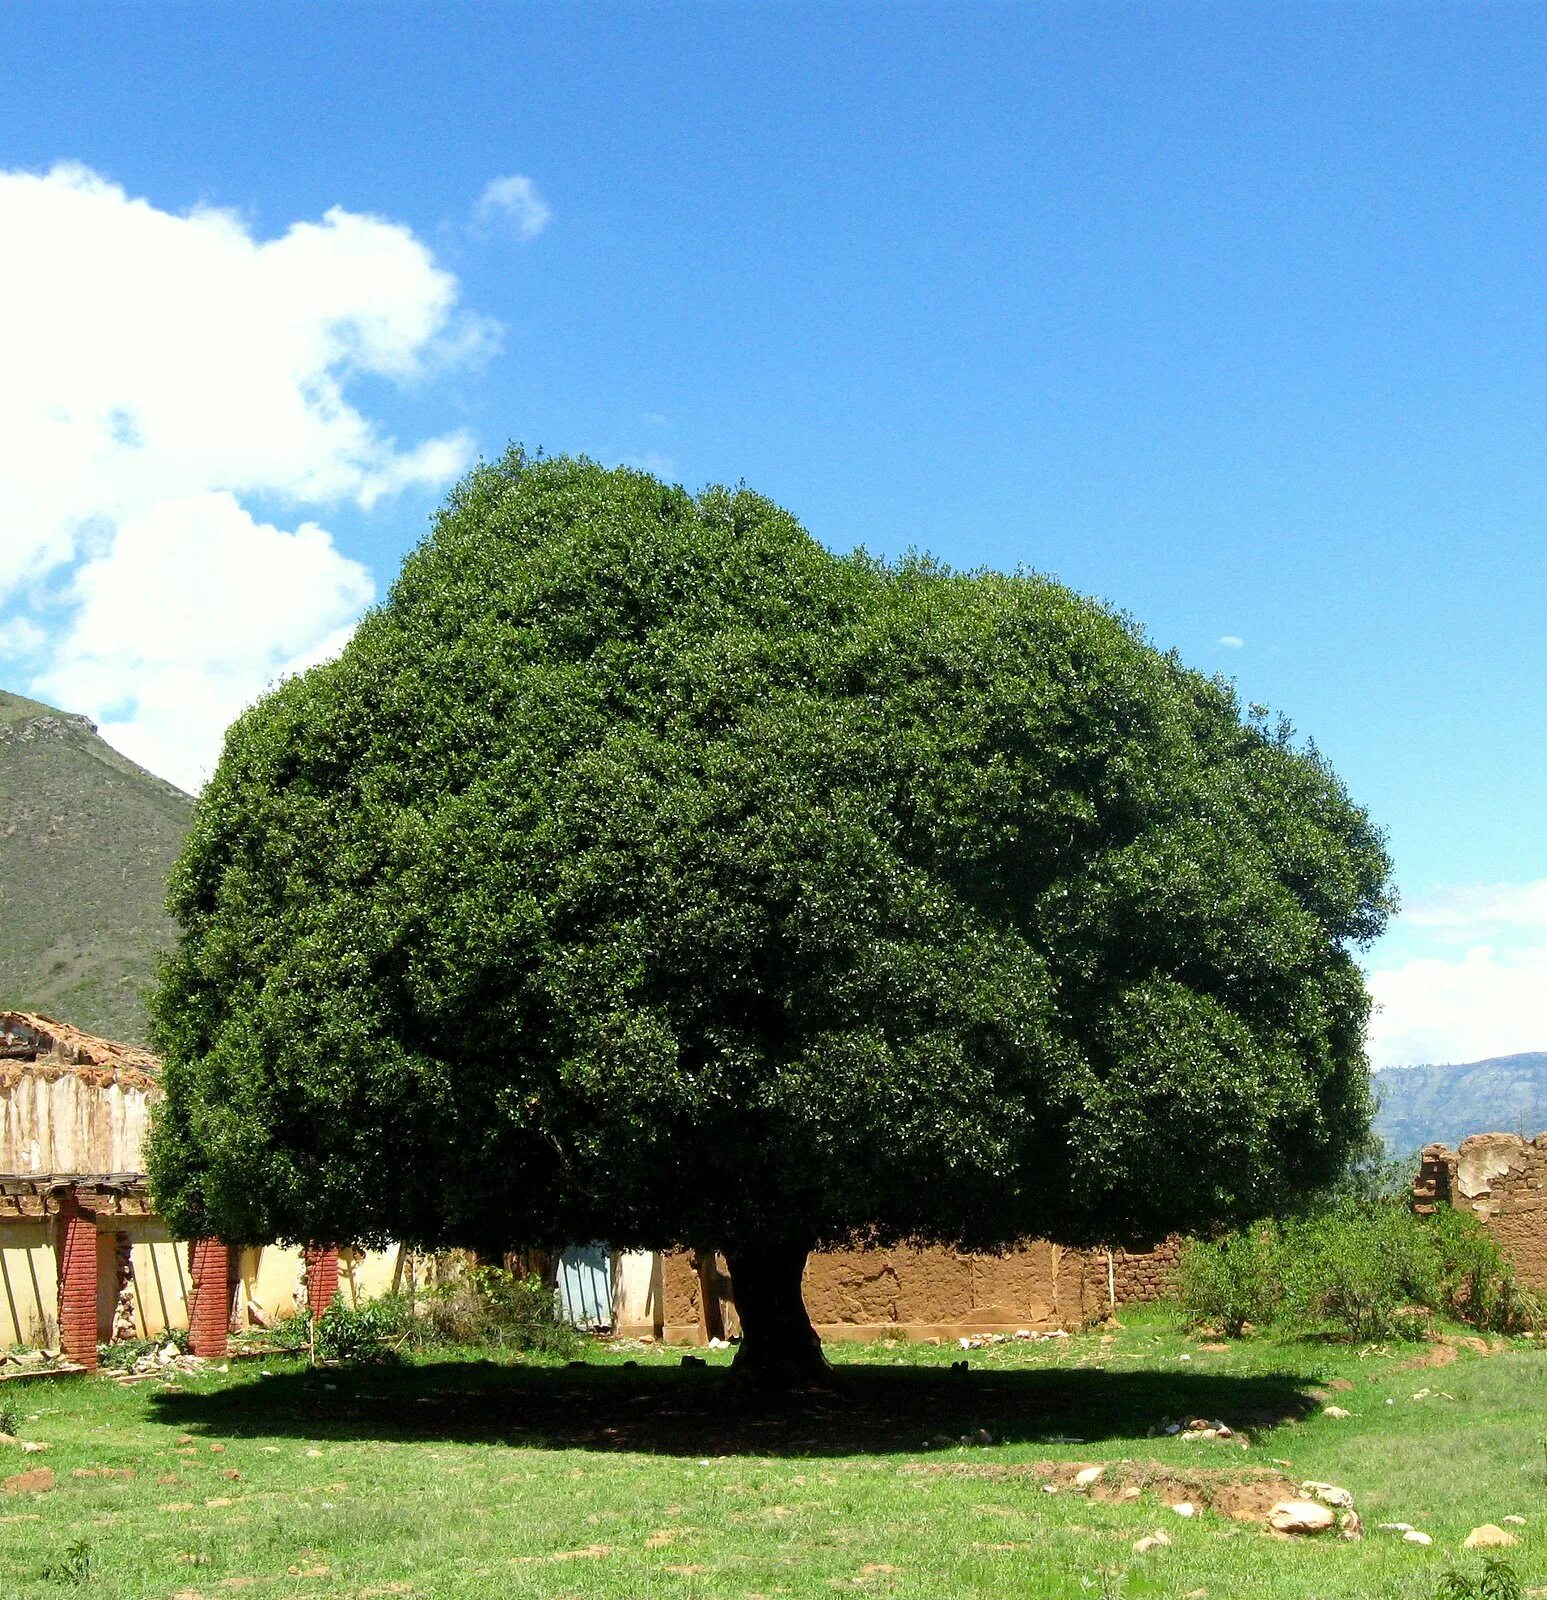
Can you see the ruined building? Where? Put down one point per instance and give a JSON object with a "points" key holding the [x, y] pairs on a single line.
{"points": [[84, 1259]]}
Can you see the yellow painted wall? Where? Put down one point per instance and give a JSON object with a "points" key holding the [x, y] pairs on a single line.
{"points": [[29, 1283]]}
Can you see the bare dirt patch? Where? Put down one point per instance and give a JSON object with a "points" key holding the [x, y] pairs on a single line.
{"points": [[1242, 1494]]}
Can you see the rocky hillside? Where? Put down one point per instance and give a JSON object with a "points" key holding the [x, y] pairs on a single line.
{"points": [[1428, 1105], [86, 838]]}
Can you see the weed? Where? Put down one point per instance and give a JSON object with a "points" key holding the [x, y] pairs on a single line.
{"points": [[1496, 1581], [10, 1418], [73, 1567]]}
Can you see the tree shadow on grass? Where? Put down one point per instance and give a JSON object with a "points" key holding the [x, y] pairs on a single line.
{"points": [[697, 1412]]}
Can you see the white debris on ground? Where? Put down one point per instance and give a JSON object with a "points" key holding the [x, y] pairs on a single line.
{"points": [[1200, 1428], [160, 1364], [985, 1341]]}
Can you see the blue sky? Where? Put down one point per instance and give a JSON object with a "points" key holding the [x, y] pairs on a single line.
{"points": [[1232, 315]]}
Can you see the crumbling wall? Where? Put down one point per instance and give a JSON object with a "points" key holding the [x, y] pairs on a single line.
{"points": [[1501, 1179], [71, 1103], [71, 1119]]}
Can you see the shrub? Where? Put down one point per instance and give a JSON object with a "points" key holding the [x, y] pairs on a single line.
{"points": [[487, 1305], [372, 1331], [10, 1418], [1477, 1281], [1230, 1282], [1369, 1270]]}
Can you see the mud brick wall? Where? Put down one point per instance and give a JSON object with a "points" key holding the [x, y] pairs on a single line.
{"points": [[1501, 1179], [936, 1292]]}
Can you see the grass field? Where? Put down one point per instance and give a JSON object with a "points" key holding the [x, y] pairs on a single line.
{"points": [[447, 1478]]}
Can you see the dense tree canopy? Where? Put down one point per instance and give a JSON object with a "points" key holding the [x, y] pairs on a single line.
{"points": [[644, 871]]}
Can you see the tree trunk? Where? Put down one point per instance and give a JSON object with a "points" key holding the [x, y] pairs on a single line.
{"points": [[778, 1346]]}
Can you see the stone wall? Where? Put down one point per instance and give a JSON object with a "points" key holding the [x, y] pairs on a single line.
{"points": [[1501, 1179]]}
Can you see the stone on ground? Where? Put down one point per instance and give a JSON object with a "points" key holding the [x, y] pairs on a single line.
{"points": [[1300, 1516], [1488, 1537]]}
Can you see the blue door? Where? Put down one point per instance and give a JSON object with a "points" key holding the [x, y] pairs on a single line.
{"points": [[585, 1286]]}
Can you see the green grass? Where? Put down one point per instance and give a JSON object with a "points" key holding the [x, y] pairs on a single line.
{"points": [[449, 1478], [86, 840]]}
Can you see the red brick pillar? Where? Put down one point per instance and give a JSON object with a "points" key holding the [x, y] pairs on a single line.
{"points": [[77, 1281], [321, 1277], [209, 1311]]}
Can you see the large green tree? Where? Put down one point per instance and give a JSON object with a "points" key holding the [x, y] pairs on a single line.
{"points": [[642, 870]]}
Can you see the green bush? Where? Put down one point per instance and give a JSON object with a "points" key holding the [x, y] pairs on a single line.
{"points": [[1362, 1265], [1230, 1282], [477, 1307], [10, 1418], [374, 1330], [1477, 1281], [1366, 1271]]}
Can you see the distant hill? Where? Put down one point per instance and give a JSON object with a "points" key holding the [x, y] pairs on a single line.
{"points": [[86, 840], [1432, 1105]]}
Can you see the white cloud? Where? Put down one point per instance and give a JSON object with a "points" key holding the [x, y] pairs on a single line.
{"points": [[1469, 979], [193, 608], [158, 369], [21, 637], [653, 462], [515, 200], [1230, 641]]}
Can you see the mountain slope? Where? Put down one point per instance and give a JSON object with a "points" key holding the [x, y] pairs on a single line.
{"points": [[86, 839], [1428, 1105]]}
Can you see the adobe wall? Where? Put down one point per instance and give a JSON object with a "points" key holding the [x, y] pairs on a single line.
{"points": [[930, 1292], [1501, 1179]]}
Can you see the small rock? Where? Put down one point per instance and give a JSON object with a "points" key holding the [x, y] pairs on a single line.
{"points": [[1087, 1476], [1395, 1527], [1413, 1536], [1335, 1411], [1518, 1522], [1152, 1541], [1130, 1493], [1329, 1494], [31, 1447], [980, 1436], [1300, 1516], [694, 1361], [1488, 1537], [314, 1455], [1184, 1508], [1350, 1526]]}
